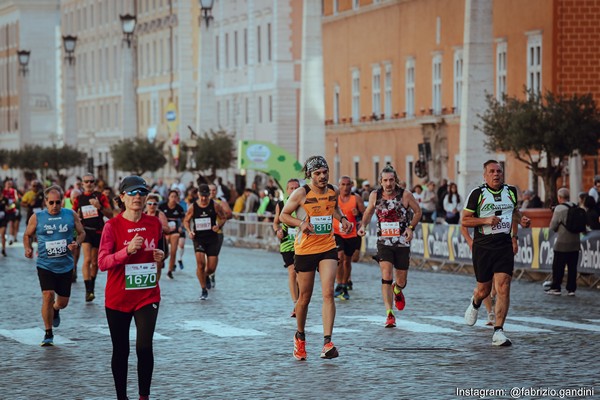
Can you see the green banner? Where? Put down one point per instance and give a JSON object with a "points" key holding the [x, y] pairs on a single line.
{"points": [[270, 159]]}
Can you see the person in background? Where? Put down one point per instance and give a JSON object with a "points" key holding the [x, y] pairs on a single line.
{"points": [[452, 204], [531, 200], [592, 214], [129, 252], [566, 247], [595, 190], [152, 202], [3, 221], [365, 191], [428, 203], [33, 199], [441, 193]]}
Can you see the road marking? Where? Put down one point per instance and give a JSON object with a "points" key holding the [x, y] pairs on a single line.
{"points": [[555, 322], [482, 323], [336, 330], [103, 330], [219, 329], [404, 324], [32, 336]]}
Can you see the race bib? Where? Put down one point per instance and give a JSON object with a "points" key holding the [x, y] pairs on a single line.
{"points": [[56, 248], [292, 232], [89, 212], [202, 224], [322, 224], [390, 229], [140, 276], [172, 225], [502, 227]]}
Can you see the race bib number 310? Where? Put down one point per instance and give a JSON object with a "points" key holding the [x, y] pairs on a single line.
{"points": [[140, 276], [322, 224]]}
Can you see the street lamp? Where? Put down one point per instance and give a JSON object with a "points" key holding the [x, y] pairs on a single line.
{"points": [[23, 61], [206, 8], [128, 22], [69, 43]]}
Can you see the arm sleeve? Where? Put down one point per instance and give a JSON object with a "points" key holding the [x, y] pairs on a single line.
{"points": [[106, 258]]}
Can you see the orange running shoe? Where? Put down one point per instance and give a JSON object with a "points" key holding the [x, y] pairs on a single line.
{"points": [[329, 351], [390, 322], [398, 298], [299, 349]]}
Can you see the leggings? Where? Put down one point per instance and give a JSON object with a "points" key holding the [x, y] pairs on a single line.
{"points": [[118, 323]]}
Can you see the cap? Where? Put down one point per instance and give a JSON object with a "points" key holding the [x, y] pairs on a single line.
{"points": [[132, 182], [204, 190], [365, 183]]}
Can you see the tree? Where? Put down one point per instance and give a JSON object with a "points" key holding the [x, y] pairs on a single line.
{"points": [[138, 155], [61, 158], [542, 131], [214, 151]]}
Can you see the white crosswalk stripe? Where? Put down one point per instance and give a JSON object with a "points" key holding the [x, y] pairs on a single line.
{"points": [[219, 329], [32, 336], [103, 330], [404, 324], [556, 322], [509, 327]]}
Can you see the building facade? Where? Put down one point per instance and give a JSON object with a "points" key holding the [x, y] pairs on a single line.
{"points": [[393, 86]]}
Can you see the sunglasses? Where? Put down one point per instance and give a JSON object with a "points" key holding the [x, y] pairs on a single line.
{"points": [[53, 202], [89, 181], [135, 192], [151, 203]]}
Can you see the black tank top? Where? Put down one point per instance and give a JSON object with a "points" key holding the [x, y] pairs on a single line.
{"points": [[204, 218], [86, 212]]}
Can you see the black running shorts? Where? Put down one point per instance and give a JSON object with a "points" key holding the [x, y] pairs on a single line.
{"points": [[210, 246], [487, 262], [59, 283], [310, 262], [348, 245], [92, 237], [398, 256], [288, 258]]}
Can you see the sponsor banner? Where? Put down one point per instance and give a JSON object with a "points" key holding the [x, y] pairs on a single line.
{"points": [[445, 243], [270, 159]]}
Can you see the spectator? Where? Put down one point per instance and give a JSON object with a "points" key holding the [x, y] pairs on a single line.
{"points": [[595, 190], [531, 200], [452, 204], [441, 193], [417, 192], [591, 211], [428, 202], [566, 247]]}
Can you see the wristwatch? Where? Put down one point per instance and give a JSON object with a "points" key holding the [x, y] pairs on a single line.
{"points": [[412, 228]]}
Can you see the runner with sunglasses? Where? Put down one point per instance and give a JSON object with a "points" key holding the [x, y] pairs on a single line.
{"points": [[129, 251], [92, 206], [54, 228], [152, 209]]}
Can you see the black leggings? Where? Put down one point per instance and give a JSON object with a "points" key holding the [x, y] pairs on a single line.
{"points": [[118, 323]]}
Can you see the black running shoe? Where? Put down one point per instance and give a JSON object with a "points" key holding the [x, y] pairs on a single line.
{"points": [[48, 341], [204, 295], [170, 274], [208, 283], [180, 264]]}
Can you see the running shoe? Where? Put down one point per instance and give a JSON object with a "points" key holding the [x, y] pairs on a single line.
{"points": [[329, 351], [208, 282], [170, 274], [180, 263], [4, 252], [299, 349], [338, 290], [90, 296], [555, 292], [500, 339], [48, 341], [204, 295], [491, 319], [398, 298], [471, 314], [10, 242], [349, 285], [547, 285], [293, 314], [572, 294], [345, 294], [390, 321], [56, 319]]}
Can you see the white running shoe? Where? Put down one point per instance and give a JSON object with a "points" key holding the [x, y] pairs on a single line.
{"points": [[471, 314], [500, 339]]}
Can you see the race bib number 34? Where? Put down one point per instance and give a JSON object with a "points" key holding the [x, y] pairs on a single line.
{"points": [[140, 276], [322, 224]]}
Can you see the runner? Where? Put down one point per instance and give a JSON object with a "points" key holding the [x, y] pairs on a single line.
{"points": [[92, 207], [347, 244], [33, 199], [130, 251], [287, 235], [152, 209], [395, 227], [11, 194], [54, 228], [315, 205], [492, 210], [175, 214], [190, 198], [210, 282], [204, 213], [3, 221]]}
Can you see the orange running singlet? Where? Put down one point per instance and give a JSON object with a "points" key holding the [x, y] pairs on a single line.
{"points": [[319, 211], [346, 208]]}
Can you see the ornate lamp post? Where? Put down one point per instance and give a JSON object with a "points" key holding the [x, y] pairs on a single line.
{"points": [[206, 63], [129, 78], [70, 107], [69, 43], [23, 61], [128, 23], [24, 109], [206, 8]]}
